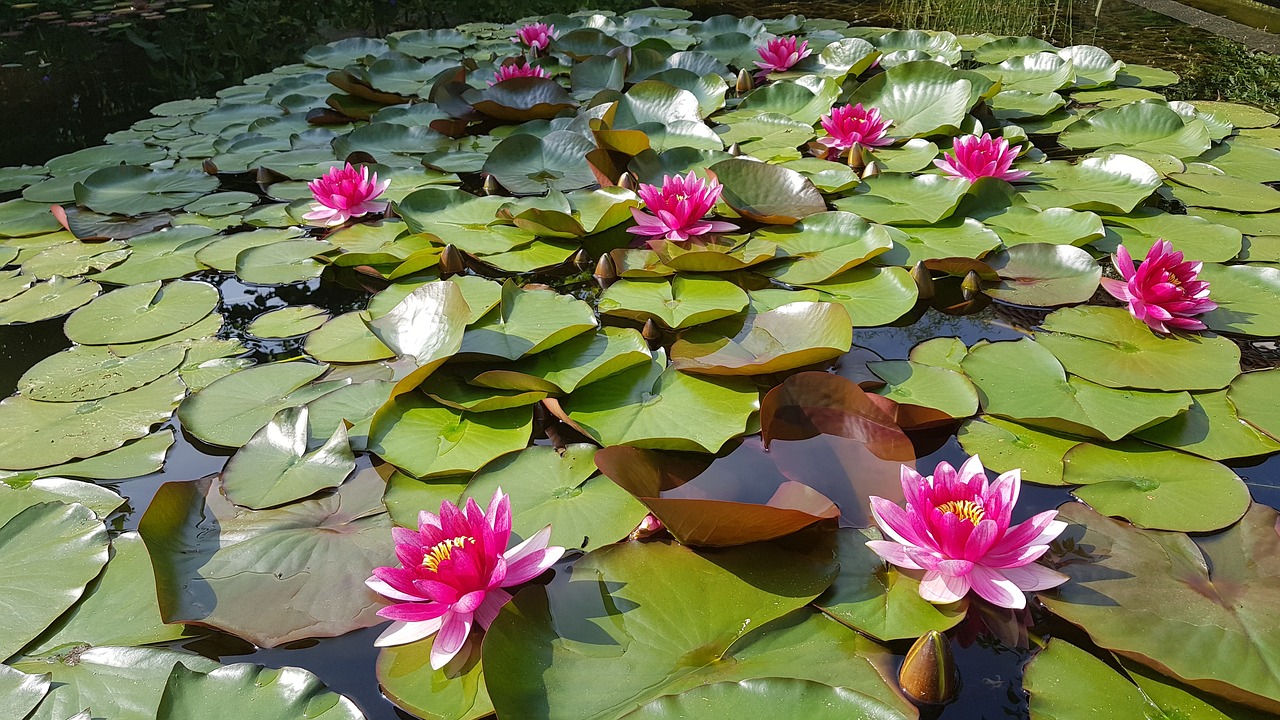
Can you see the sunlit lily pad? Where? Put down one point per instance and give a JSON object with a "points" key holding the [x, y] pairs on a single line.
{"points": [[50, 299], [685, 301], [161, 255], [587, 358], [54, 433], [245, 689], [1061, 226], [133, 190], [425, 439], [921, 98], [89, 373], [1151, 126], [1023, 381], [527, 321], [50, 552], [767, 193], [1114, 183], [555, 487], [288, 321], [823, 245], [281, 263], [142, 312], [652, 406], [872, 295], [275, 467], [784, 338], [1211, 428], [229, 411], [1246, 298], [1212, 628], [897, 198], [269, 576], [1004, 445], [1251, 393], [75, 258], [1154, 488]]}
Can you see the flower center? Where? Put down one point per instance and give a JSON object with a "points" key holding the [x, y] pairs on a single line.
{"points": [[442, 551], [964, 509]]}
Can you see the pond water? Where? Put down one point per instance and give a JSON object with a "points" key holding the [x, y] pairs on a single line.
{"points": [[69, 83]]}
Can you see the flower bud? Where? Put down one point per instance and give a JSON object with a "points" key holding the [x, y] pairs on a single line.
{"points": [[924, 280], [745, 82], [971, 286], [452, 262], [929, 675]]}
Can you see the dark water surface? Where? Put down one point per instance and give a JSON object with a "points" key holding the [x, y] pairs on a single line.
{"points": [[65, 86]]}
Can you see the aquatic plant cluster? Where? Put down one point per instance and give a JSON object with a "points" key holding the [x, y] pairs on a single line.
{"points": [[617, 266]]}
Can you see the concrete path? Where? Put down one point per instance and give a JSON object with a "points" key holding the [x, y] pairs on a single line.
{"points": [[1230, 29]]}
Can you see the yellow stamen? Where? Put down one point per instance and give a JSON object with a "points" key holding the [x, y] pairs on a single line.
{"points": [[964, 509], [442, 551]]}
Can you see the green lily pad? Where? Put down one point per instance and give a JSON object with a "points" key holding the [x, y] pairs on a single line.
{"points": [[1151, 126], [1212, 628], [1042, 275], [281, 263], [22, 218], [1023, 381], [725, 700], [406, 679], [450, 387], [898, 198], [161, 255], [142, 312], [128, 679], [50, 299], [954, 237], [1195, 237], [824, 245], [229, 411], [88, 373], [529, 164], [427, 439], [875, 598], [18, 494], [268, 576], [1242, 116], [1211, 428], [275, 468], [54, 433], [526, 322], [911, 383], [1154, 488], [355, 403], [1005, 445], [133, 190], [872, 295], [50, 552], [1107, 346], [251, 691], [1113, 183], [579, 361], [767, 193], [653, 406], [1224, 192], [425, 328], [1245, 160], [75, 258], [1093, 66], [921, 98], [555, 487], [221, 253], [1246, 298], [21, 692], [346, 339], [1251, 393], [133, 459], [118, 608], [784, 338], [663, 655], [1020, 224], [685, 301], [1067, 683], [287, 322], [1040, 72]]}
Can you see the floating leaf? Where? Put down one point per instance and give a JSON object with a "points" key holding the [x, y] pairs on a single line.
{"points": [[251, 690], [142, 312], [767, 193], [1005, 445], [1042, 274], [50, 299], [685, 301], [229, 411], [1211, 428], [287, 322], [579, 361], [920, 98], [274, 467], [907, 199], [133, 190], [50, 552], [269, 576], [1113, 183], [425, 439], [1246, 298], [785, 338], [90, 373], [824, 245], [281, 263], [1153, 488]]}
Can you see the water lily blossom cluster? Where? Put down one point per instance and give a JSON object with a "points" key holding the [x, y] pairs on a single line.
{"points": [[453, 571], [781, 54], [851, 125], [677, 208], [956, 528], [1164, 292], [517, 70], [536, 36], [344, 193], [974, 157]]}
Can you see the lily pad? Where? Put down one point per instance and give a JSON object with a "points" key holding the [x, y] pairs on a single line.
{"points": [[1246, 298], [1107, 346], [1113, 183], [269, 576], [54, 433], [823, 245], [685, 301], [1042, 275], [1211, 428], [50, 552], [767, 193], [579, 361], [1251, 394], [1023, 381], [134, 190], [287, 322], [1212, 629], [526, 322], [921, 98], [282, 263], [555, 487], [275, 468], [788, 337], [1154, 488], [897, 198], [427, 439], [50, 299], [229, 411], [90, 373], [872, 295], [251, 690], [142, 312], [1005, 445]]}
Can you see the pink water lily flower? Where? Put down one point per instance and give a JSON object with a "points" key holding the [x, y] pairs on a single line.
{"points": [[536, 35], [678, 207], [344, 193], [1164, 291], [853, 124], [956, 529], [974, 157], [781, 54], [517, 70], [453, 571]]}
